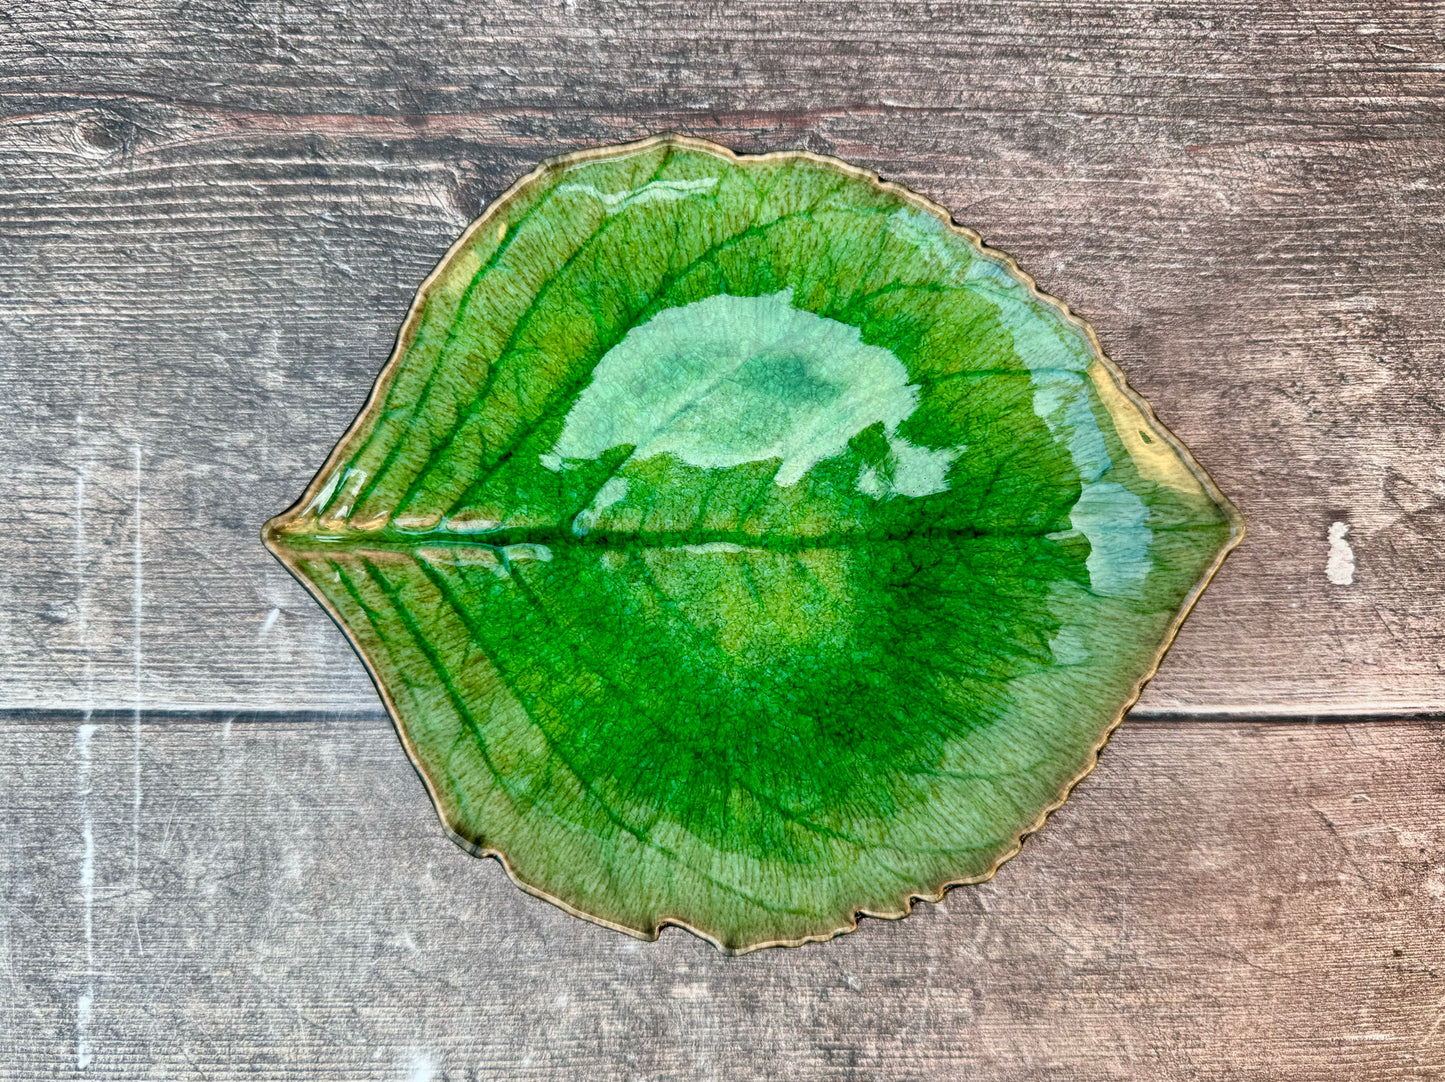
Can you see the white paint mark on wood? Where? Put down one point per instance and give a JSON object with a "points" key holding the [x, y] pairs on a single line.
{"points": [[1340, 567], [84, 1002], [136, 605], [87, 860], [423, 1068], [82, 1028], [268, 623], [82, 596]]}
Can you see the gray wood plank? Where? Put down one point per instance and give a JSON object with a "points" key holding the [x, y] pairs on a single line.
{"points": [[1218, 901], [212, 218]]}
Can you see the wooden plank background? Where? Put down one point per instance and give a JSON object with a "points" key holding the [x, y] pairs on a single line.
{"points": [[212, 217], [1220, 900]]}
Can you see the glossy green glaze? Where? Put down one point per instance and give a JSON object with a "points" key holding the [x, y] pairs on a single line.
{"points": [[739, 545]]}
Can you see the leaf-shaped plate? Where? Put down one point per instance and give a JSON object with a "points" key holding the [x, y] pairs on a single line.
{"points": [[739, 544]]}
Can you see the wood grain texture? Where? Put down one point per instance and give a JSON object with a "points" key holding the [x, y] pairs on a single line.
{"points": [[213, 216], [1219, 901]]}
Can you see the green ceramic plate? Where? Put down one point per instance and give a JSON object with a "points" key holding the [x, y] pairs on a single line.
{"points": [[739, 544]]}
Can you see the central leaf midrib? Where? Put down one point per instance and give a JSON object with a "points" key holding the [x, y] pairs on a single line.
{"points": [[564, 538]]}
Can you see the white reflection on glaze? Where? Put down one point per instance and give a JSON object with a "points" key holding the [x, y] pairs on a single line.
{"points": [[657, 189]]}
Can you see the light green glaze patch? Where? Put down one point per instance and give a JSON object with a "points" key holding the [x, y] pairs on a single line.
{"points": [[739, 545], [1116, 524], [729, 380]]}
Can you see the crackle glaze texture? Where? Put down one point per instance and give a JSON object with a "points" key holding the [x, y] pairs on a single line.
{"points": [[738, 544]]}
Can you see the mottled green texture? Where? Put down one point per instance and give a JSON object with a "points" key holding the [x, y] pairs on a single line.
{"points": [[739, 545]]}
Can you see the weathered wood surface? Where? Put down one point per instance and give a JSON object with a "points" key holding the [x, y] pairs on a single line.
{"points": [[1218, 901], [212, 217]]}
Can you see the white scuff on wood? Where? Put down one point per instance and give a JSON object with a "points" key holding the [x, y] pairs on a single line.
{"points": [[86, 999], [1340, 567], [84, 1002], [137, 670]]}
